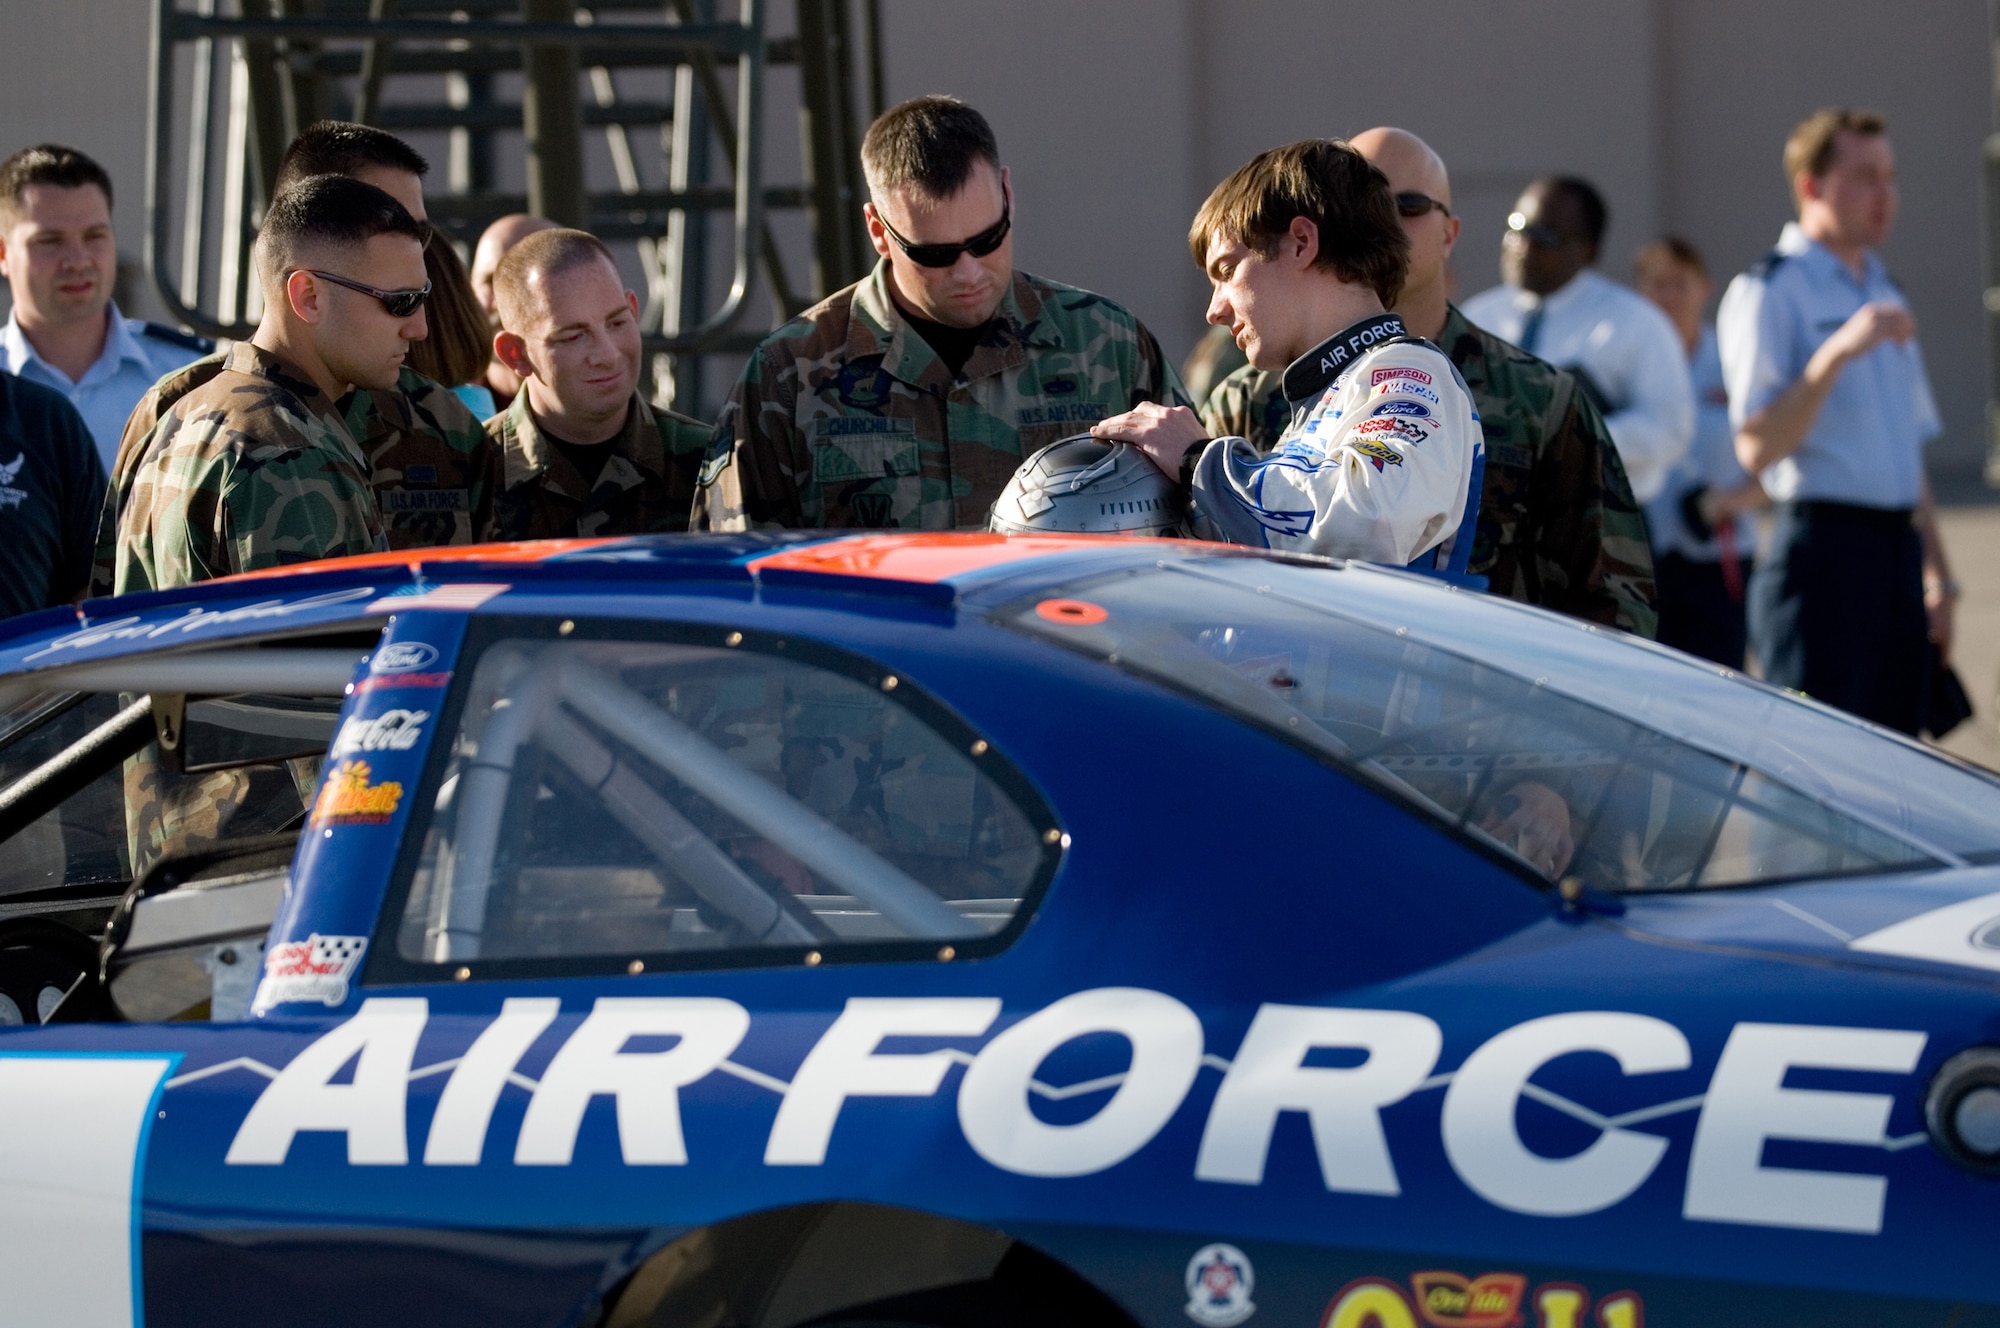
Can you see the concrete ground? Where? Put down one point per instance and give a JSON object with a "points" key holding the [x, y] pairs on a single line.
{"points": [[1972, 540]]}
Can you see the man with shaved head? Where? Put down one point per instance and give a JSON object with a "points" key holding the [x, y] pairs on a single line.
{"points": [[1558, 525], [256, 467], [494, 242], [429, 463], [582, 452]]}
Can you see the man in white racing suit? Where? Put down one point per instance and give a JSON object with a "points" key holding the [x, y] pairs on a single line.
{"points": [[1382, 458]]}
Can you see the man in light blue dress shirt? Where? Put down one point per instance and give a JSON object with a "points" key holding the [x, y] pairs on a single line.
{"points": [[1832, 409], [60, 259]]}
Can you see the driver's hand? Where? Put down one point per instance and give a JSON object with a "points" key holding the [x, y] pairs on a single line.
{"points": [[1163, 433], [1532, 819]]}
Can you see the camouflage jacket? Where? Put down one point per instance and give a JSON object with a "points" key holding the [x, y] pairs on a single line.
{"points": [[845, 417], [255, 468], [434, 473], [1558, 525], [647, 483]]}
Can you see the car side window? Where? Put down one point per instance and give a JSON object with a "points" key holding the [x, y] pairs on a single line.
{"points": [[609, 802], [1568, 789]]}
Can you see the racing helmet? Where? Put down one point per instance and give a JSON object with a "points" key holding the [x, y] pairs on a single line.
{"points": [[1084, 485]]}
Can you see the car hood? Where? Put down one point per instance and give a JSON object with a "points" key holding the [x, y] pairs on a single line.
{"points": [[1945, 923]]}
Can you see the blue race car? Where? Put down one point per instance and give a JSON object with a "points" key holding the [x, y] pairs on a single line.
{"points": [[969, 930]]}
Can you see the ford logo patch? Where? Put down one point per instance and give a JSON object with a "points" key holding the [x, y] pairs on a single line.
{"points": [[403, 657]]}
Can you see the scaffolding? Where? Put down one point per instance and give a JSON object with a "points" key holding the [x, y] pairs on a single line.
{"points": [[232, 82]]}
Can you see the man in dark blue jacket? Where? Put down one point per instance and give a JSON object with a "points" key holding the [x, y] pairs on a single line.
{"points": [[51, 487]]}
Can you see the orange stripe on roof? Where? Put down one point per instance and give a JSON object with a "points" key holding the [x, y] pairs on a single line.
{"points": [[928, 557], [518, 551]]}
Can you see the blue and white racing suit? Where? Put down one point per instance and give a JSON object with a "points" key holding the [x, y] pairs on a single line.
{"points": [[1383, 459]]}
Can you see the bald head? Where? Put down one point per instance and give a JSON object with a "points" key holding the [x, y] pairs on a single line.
{"points": [[1423, 200], [494, 243], [1407, 160]]}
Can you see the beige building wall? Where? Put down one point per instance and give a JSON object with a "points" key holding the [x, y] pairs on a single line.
{"points": [[1117, 116]]}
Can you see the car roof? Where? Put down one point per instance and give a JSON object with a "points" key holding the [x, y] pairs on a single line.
{"points": [[1814, 748]]}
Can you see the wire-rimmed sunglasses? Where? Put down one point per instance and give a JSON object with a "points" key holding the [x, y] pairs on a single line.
{"points": [[1540, 234], [399, 303], [944, 255], [1413, 204]]}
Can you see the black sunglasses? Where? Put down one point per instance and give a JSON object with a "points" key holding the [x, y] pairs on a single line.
{"points": [[1413, 204], [1540, 234], [944, 255], [399, 303]]}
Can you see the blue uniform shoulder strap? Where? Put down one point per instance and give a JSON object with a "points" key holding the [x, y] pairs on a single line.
{"points": [[1765, 266], [173, 336]]}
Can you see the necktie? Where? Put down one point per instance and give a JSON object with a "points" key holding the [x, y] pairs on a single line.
{"points": [[1531, 328]]}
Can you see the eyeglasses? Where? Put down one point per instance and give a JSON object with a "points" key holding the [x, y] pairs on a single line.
{"points": [[1539, 234], [399, 303], [1413, 204], [944, 255]]}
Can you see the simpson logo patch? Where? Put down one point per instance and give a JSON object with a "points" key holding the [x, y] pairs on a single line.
{"points": [[1381, 376]]}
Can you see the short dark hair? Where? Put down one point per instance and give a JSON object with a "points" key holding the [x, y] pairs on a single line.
{"points": [[1331, 185], [928, 142], [340, 147], [1671, 249], [1812, 146], [550, 253], [331, 211], [1589, 203], [46, 163]]}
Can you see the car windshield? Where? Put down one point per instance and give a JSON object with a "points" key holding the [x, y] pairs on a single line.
{"points": [[618, 800], [1565, 787]]}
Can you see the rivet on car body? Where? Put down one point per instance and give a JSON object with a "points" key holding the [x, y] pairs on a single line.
{"points": [[979, 747], [1052, 836], [461, 973], [947, 953], [568, 626], [733, 639], [812, 959], [636, 967], [889, 683]]}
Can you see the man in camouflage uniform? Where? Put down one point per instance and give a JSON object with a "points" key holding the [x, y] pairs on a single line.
{"points": [[1558, 525], [434, 473], [257, 468], [910, 398], [584, 454]]}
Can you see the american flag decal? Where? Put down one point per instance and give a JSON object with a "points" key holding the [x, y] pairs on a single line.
{"points": [[469, 595]]}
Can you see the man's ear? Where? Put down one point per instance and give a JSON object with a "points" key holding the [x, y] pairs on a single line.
{"points": [[1807, 185], [512, 350], [304, 294], [1302, 243], [632, 301], [4, 272], [878, 238], [1451, 227]]}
